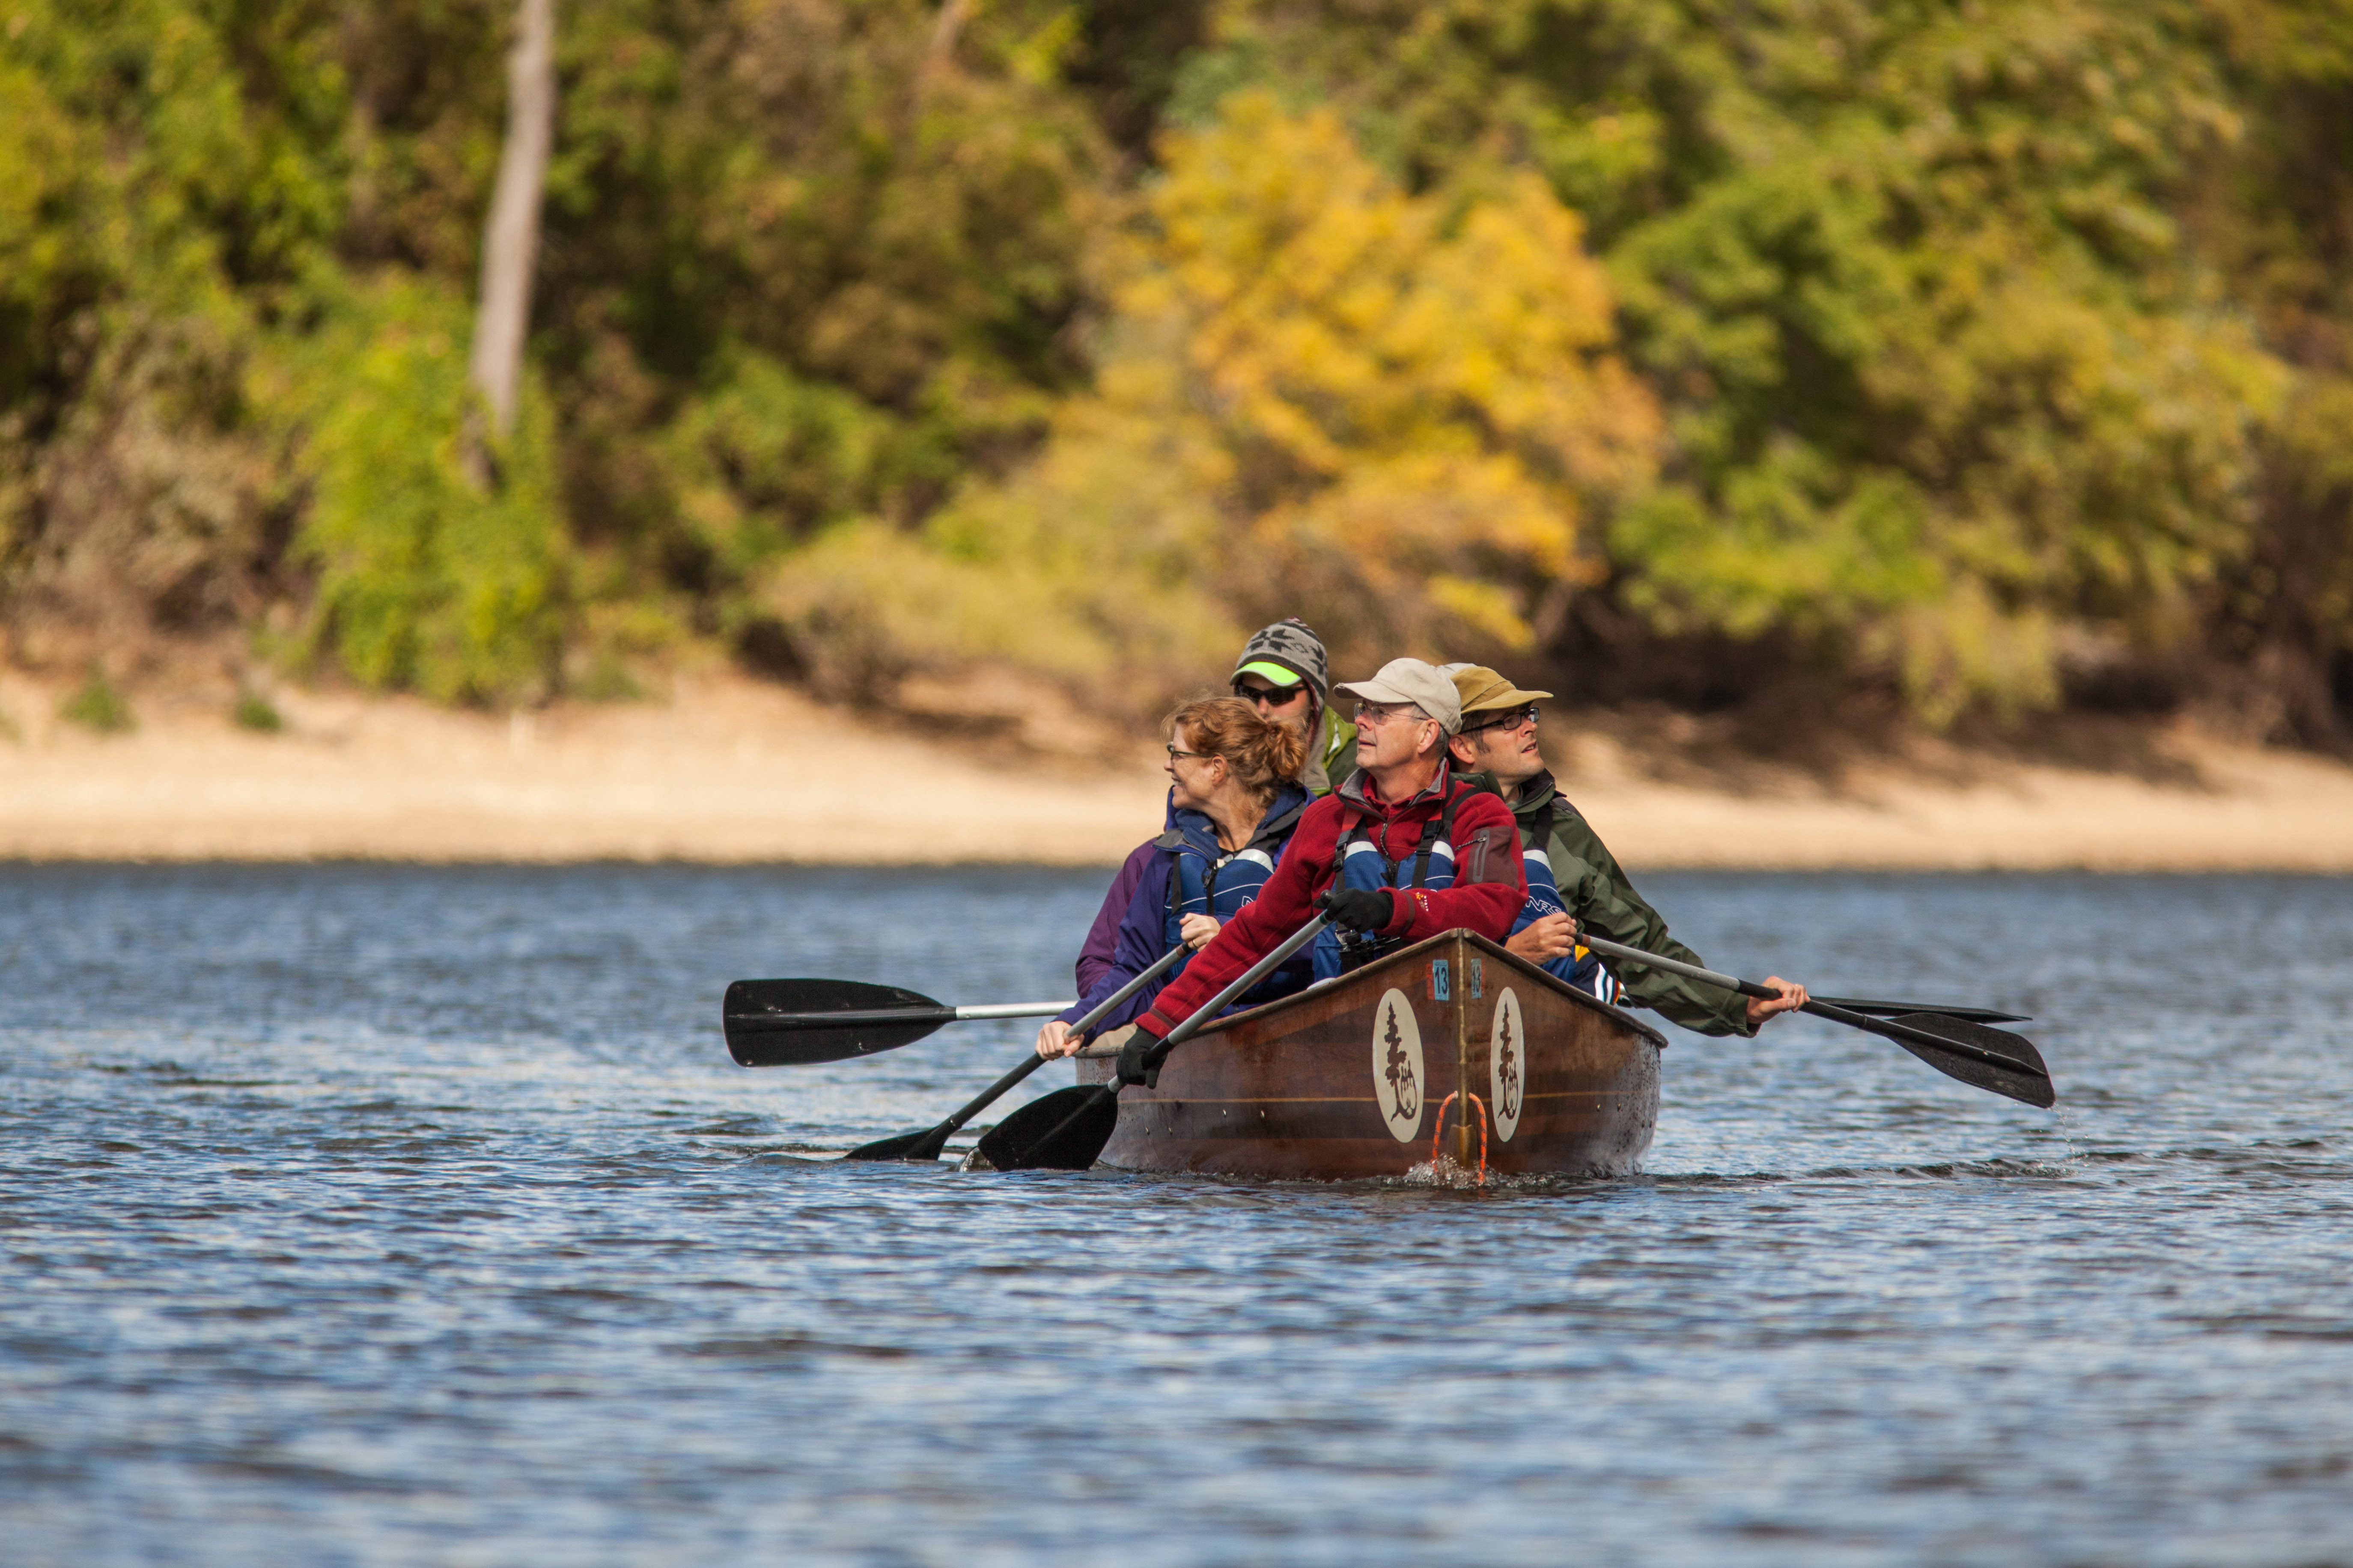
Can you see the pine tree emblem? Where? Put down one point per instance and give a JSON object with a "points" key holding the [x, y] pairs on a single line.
{"points": [[1507, 1070], [1402, 1088]]}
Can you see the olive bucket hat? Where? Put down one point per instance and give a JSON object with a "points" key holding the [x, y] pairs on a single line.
{"points": [[1482, 690]]}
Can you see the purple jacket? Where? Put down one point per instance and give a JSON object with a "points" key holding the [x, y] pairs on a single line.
{"points": [[1143, 933], [1138, 942]]}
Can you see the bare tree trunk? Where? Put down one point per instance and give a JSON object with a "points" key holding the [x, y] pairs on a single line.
{"points": [[944, 32], [511, 246]]}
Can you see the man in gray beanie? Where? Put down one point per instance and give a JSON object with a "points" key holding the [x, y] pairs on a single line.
{"points": [[1284, 672]]}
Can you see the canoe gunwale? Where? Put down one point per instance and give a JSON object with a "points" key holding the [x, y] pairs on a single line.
{"points": [[1558, 986]]}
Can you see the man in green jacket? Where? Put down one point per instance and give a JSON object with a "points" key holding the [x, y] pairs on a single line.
{"points": [[1589, 887]]}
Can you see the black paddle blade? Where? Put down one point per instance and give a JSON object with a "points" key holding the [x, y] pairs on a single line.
{"points": [[757, 1037], [1063, 1132], [2025, 1079], [1899, 1009], [925, 1146]]}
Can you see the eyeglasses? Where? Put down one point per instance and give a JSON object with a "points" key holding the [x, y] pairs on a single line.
{"points": [[1378, 713], [1270, 696], [1510, 719], [1174, 753]]}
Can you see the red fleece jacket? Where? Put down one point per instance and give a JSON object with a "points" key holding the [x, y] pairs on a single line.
{"points": [[1490, 883]]}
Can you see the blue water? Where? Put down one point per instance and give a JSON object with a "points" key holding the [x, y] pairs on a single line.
{"points": [[363, 1214]]}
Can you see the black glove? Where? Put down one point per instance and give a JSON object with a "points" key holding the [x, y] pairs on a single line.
{"points": [[1359, 909], [1133, 1066]]}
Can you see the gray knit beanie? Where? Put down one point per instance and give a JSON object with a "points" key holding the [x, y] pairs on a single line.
{"points": [[1290, 645]]}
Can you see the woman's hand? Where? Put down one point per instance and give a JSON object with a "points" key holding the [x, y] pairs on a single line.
{"points": [[1554, 936], [1197, 931], [1792, 997], [1055, 1039]]}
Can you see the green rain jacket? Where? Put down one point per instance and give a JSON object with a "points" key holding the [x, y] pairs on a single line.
{"points": [[1595, 889], [1332, 755]]}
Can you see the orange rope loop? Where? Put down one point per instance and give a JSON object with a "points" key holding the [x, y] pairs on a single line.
{"points": [[1440, 1132]]}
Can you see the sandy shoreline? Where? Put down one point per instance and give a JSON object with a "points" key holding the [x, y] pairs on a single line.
{"points": [[730, 770]]}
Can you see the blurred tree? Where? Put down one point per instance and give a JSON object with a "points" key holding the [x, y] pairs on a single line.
{"points": [[424, 579], [2278, 222], [1320, 394], [1941, 381], [510, 236], [808, 260], [151, 208], [1980, 352]]}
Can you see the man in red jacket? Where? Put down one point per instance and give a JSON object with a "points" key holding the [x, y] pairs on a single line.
{"points": [[1402, 788]]}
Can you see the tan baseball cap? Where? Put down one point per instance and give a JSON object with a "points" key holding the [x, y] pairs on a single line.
{"points": [[1478, 689], [1411, 680]]}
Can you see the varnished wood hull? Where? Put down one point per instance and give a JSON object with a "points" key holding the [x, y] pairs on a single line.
{"points": [[1363, 1076]]}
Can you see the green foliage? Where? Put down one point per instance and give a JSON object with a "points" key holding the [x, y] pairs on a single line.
{"points": [[1088, 566], [425, 580], [806, 265], [1910, 281], [764, 457], [147, 209], [1921, 342], [255, 713], [98, 706], [1320, 394]]}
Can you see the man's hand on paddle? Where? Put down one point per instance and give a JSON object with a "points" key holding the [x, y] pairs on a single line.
{"points": [[1358, 909], [1055, 1039], [1197, 931], [1554, 936], [1792, 997]]}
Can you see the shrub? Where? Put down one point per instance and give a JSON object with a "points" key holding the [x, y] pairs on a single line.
{"points": [[98, 707], [255, 713], [426, 581]]}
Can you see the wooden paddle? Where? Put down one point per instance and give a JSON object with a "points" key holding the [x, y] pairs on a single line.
{"points": [[1066, 1130], [792, 1023], [1981, 1056], [926, 1145]]}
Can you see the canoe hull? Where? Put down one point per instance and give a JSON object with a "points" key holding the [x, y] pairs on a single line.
{"points": [[1366, 1077]]}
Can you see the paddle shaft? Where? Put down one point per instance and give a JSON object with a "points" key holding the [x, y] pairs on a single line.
{"points": [[786, 1023], [1886, 1026], [1209, 1010], [1249, 977], [1096, 1015]]}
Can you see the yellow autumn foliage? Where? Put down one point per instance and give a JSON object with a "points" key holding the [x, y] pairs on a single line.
{"points": [[1321, 394]]}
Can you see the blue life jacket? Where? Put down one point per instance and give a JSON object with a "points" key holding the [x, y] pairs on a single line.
{"points": [[1206, 879], [1362, 865], [1580, 967]]}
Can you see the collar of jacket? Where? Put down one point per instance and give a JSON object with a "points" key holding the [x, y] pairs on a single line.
{"points": [[1353, 792], [1536, 793], [1188, 826]]}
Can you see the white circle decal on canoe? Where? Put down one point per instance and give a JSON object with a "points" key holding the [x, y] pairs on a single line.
{"points": [[1397, 1066], [1507, 1066]]}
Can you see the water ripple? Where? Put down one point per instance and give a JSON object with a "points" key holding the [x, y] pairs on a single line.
{"points": [[368, 1215]]}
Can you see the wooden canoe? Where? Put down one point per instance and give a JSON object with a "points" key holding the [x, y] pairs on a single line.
{"points": [[1363, 1076]]}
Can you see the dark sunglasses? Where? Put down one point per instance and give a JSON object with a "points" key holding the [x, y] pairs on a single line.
{"points": [[1272, 695], [1510, 719]]}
